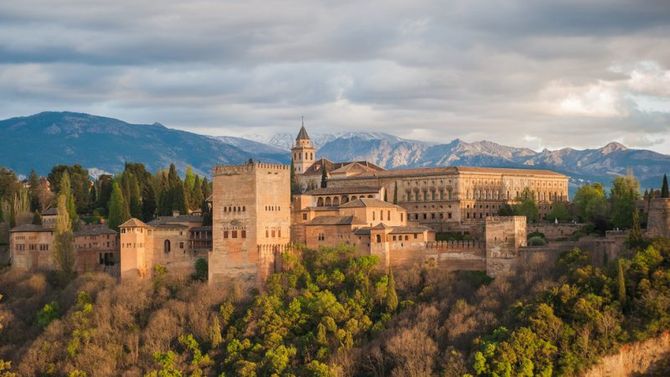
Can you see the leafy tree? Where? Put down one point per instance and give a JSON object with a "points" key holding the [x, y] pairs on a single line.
{"points": [[63, 245], [624, 194], [104, 192], [560, 212], [148, 203], [34, 190], [79, 184], [201, 269], [391, 295], [635, 237], [506, 210], [664, 188], [118, 210], [621, 282], [527, 206], [66, 191], [47, 314]]}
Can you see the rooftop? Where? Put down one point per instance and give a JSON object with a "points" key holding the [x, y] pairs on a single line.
{"points": [[30, 228], [344, 190], [302, 135], [454, 170], [368, 202], [133, 222], [93, 230], [334, 220], [53, 211]]}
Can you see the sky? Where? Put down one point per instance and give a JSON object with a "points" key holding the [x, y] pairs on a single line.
{"points": [[536, 73]]}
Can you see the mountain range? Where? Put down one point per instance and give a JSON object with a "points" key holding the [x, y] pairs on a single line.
{"points": [[104, 144]]}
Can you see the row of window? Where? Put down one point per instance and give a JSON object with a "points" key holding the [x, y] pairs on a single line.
{"points": [[272, 208], [106, 259], [433, 216], [233, 233], [234, 209]]}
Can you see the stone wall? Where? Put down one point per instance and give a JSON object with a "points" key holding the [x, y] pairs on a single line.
{"points": [[554, 232], [504, 236], [633, 359]]}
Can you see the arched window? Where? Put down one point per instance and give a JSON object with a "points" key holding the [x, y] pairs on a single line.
{"points": [[328, 203], [319, 202], [166, 246], [336, 201]]}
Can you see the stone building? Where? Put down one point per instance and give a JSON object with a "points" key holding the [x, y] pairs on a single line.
{"points": [[174, 242], [251, 217], [443, 197], [658, 218], [95, 247]]}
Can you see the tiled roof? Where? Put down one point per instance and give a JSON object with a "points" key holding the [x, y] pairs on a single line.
{"points": [[201, 229], [30, 228], [418, 172], [368, 202], [302, 135], [364, 231], [94, 229], [344, 190], [133, 222], [334, 220], [317, 166], [410, 229]]}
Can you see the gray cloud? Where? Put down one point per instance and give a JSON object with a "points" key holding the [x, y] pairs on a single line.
{"points": [[537, 74]]}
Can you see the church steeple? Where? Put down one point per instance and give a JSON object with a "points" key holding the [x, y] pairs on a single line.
{"points": [[303, 152]]}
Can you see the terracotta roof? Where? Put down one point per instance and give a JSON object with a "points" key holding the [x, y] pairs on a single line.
{"points": [[410, 229], [367, 202], [302, 135], [454, 170], [343, 190], [30, 228], [133, 222], [94, 229], [316, 167], [334, 220]]}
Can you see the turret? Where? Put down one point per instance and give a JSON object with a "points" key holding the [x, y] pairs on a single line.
{"points": [[303, 152]]}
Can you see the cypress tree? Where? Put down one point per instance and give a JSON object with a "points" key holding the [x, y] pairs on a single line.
{"points": [[294, 183], [621, 283], [148, 203], [63, 247], [635, 238], [34, 190], [324, 175], [664, 188], [391, 294], [395, 194], [66, 190], [196, 198], [118, 210]]}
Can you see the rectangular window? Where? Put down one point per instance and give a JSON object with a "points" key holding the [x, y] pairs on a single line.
{"points": [[279, 233], [181, 245], [273, 233], [415, 235], [225, 234], [449, 215], [244, 234], [234, 234], [304, 216]]}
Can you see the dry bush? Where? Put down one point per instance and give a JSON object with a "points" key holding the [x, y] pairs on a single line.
{"points": [[413, 352]]}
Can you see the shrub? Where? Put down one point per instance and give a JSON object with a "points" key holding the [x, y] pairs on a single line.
{"points": [[536, 241]]}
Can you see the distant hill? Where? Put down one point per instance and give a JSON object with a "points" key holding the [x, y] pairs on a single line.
{"points": [[43, 140], [104, 144]]}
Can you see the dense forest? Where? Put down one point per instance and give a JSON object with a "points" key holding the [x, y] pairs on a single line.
{"points": [[329, 312], [134, 192], [333, 313]]}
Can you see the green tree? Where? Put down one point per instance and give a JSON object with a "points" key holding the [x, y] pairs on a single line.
{"points": [[621, 283], [37, 219], [34, 190], [104, 184], [624, 195], [635, 237], [148, 203], [118, 210], [201, 269], [324, 175], [391, 294], [294, 183], [66, 191], [195, 197], [79, 183], [395, 193], [664, 188], [63, 246], [527, 206], [559, 211]]}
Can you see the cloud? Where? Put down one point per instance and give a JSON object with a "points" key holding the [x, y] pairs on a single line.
{"points": [[523, 73]]}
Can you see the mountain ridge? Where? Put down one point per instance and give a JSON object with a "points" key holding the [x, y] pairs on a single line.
{"points": [[45, 139]]}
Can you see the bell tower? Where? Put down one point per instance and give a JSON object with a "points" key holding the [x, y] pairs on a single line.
{"points": [[303, 152]]}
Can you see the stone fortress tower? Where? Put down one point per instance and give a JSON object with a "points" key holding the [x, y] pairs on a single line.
{"points": [[251, 220], [658, 221], [303, 152]]}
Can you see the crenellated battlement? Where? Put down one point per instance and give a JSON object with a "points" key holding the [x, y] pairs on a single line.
{"points": [[456, 245], [247, 168]]}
